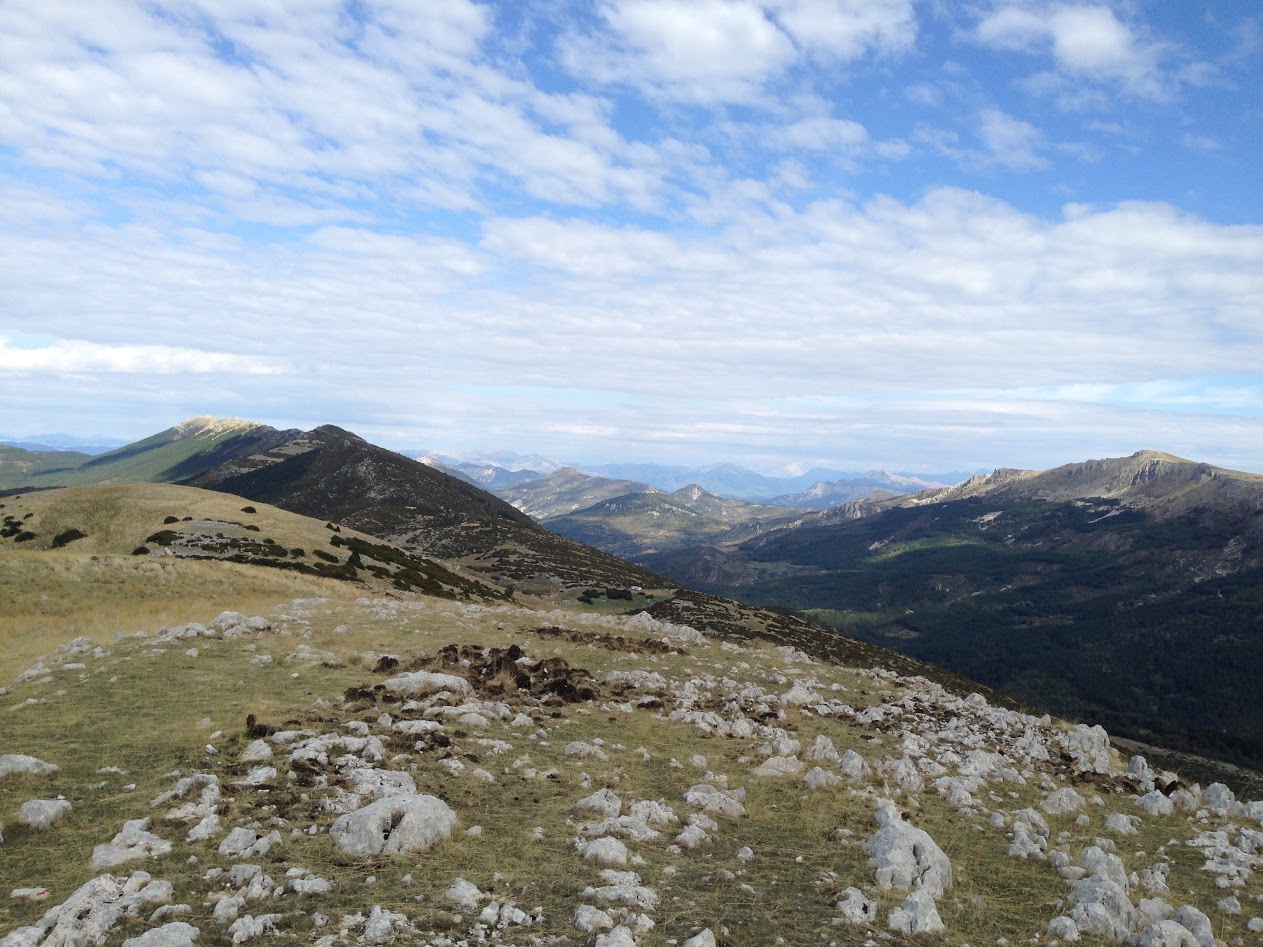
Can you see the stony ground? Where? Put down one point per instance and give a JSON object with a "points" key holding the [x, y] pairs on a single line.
{"points": [[415, 771]]}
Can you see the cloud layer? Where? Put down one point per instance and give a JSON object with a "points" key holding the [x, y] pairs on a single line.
{"points": [[869, 233]]}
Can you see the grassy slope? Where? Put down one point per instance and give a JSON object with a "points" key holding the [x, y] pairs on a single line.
{"points": [[94, 586]]}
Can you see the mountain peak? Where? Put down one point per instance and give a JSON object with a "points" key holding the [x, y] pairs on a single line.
{"points": [[207, 426]]}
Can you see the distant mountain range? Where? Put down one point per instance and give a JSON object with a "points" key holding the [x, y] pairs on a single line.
{"points": [[818, 488], [1127, 590]]}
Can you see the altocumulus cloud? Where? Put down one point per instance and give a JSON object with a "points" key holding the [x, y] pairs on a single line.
{"points": [[73, 356]]}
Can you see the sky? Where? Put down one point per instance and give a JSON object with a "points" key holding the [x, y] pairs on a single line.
{"points": [[860, 233]]}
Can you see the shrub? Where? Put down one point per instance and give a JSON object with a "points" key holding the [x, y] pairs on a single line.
{"points": [[170, 519], [140, 551], [69, 536], [248, 509]]}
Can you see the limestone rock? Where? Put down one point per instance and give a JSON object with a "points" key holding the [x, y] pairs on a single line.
{"points": [[917, 915], [175, 934], [393, 825], [41, 813], [132, 843], [905, 856], [12, 764]]}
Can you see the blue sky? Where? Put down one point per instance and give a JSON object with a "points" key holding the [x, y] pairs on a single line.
{"points": [[863, 233]]}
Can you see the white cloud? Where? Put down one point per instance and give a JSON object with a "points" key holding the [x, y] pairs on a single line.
{"points": [[848, 29], [707, 51], [729, 51], [1010, 142], [1086, 41], [75, 356]]}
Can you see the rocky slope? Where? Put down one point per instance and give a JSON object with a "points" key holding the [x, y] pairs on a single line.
{"points": [[1139, 609], [413, 771]]}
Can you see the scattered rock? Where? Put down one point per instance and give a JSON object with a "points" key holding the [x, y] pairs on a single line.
{"points": [[393, 825]]}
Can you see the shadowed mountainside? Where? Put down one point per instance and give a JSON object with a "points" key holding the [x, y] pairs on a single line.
{"points": [[1127, 590]]}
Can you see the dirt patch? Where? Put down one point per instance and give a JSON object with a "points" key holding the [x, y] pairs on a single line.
{"points": [[609, 642]]}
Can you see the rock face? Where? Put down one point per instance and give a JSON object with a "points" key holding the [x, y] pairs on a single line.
{"points": [[394, 825], [906, 857], [88, 915]]}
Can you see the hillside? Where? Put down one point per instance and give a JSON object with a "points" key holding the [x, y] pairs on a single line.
{"points": [[331, 474], [1141, 609], [182, 451], [566, 490], [20, 467], [344, 766], [640, 524]]}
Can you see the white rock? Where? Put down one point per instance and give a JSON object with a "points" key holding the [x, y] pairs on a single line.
{"points": [[13, 763], [132, 843], [703, 939], [1166, 934], [855, 908], [41, 813], [618, 937], [393, 825], [1102, 906], [604, 851], [381, 783], [852, 766], [1195, 922], [905, 856], [1121, 824], [175, 934], [590, 920], [1062, 802], [623, 887], [1155, 803], [1063, 928], [248, 927], [256, 752], [426, 682], [821, 750], [719, 801], [818, 778], [464, 894], [604, 801], [243, 843], [384, 927], [87, 916], [917, 915]]}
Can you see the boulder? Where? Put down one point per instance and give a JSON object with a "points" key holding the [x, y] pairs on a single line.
{"points": [[394, 825], [1062, 802], [175, 934], [1166, 934], [415, 683], [88, 915], [855, 908], [41, 813], [132, 843], [917, 915], [11, 764], [906, 857]]}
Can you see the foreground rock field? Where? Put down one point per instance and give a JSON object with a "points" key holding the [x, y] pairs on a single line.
{"points": [[417, 771]]}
